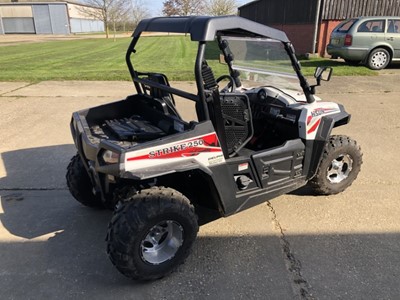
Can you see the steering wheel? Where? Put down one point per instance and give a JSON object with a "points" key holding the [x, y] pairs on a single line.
{"points": [[230, 86]]}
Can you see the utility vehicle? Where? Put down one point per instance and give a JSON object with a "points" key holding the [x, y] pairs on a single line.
{"points": [[259, 132]]}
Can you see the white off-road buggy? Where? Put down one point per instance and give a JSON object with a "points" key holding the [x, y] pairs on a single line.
{"points": [[259, 132]]}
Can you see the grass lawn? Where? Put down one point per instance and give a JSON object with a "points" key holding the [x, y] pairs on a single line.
{"points": [[102, 59], [89, 59], [340, 68]]}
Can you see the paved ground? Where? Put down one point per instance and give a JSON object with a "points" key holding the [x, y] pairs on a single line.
{"points": [[298, 246]]}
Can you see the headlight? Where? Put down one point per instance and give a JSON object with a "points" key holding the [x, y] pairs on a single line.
{"points": [[110, 157]]}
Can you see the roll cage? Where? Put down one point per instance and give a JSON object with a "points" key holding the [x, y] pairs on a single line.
{"points": [[203, 29]]}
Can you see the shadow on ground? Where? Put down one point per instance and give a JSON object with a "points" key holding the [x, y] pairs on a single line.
{"points": [[53, 247], [36, 168], [50, 246]]}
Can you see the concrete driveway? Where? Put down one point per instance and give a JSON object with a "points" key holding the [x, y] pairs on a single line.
{"points": [[298, 246]]}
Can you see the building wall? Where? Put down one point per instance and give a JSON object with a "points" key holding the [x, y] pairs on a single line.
{"points": [[84, 19], [48, 18], [325, 31], [16, 11], [16, 19], [301, 36], [293, 16], [270, 12], [82, 12], [84, 25]]}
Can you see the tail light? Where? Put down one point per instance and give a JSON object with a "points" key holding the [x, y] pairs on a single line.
{"points": [[348, 40]]}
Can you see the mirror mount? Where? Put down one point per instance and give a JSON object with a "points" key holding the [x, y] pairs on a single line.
{"points": [[227, 58], [321, 74]]}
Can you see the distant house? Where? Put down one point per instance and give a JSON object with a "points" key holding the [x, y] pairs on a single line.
{"points": [[47, 18], [309, 23]]}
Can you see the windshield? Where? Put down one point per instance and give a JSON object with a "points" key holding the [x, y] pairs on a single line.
{"points": [[262, 62]]}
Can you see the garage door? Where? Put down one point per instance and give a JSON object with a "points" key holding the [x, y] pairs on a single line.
{"points": [[59, 19], [41, 15], [18, 25]]}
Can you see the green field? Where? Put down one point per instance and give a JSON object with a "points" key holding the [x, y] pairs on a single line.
{"points": [[104, 59], [91, 59]]}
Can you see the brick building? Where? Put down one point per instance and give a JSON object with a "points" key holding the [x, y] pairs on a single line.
{"points": [[309, 23]]}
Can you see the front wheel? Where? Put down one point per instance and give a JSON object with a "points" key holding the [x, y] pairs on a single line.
{"points": [[378, 59], [339, 166], [151, 233]]}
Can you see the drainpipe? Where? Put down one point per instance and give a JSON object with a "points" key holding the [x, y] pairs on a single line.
{"points": [[316, 26], [69, 27], [1, 24]]}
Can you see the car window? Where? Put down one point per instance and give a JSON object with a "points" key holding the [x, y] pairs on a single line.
{"points": [[345, 26], [364, 27], [372, 26], [393, 26], [378, 26]]}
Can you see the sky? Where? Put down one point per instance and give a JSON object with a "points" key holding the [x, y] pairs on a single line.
{"points": [[156, 6]]}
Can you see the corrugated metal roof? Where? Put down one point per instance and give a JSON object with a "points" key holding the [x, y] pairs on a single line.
{"points": [[303, 11], [343, 9]]}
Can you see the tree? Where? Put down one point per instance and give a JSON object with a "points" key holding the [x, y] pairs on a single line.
{"points": [[140, 11], [183, 7], [221, 7], [110, 12], [119, 13]]}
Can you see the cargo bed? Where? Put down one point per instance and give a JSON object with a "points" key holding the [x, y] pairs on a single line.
{"points": [[125, 123]]}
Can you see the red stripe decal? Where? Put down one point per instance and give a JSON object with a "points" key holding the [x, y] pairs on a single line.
{"points": [[192, 147], [315, 126]]}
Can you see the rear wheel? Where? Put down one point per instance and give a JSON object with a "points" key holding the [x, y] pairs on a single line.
{"points": [[151, 233], [378, 59], [80, 185], [339, 167]]}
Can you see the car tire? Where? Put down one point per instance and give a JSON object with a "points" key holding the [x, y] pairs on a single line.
{"points": [[339, 166], [352, 62], [80, 185], [151, 233], [378, 59]]}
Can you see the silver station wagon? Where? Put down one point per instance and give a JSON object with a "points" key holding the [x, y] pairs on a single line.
{"points": [[373, 41]]}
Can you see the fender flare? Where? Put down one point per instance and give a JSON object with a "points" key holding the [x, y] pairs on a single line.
{"points": [[315, 148]]}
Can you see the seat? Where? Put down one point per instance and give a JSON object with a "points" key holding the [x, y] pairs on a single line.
{"points": [[363, 28], [390, 27], [376, 29], [165, 99]]}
